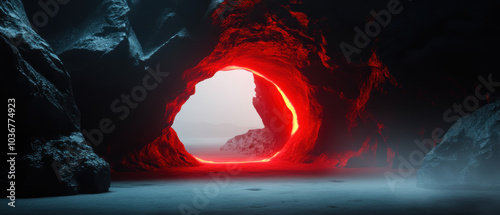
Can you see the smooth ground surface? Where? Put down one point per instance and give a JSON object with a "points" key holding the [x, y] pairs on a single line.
{"points": [[265, 188]]}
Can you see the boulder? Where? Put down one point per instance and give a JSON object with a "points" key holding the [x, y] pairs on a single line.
{"points": [[469, 154], [64, 166], [256, 142]]}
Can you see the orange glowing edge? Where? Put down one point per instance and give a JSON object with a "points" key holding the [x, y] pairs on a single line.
{"points": [[236, 162], [295, 123]]}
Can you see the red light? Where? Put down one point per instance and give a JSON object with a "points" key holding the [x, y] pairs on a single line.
{"points": [[235, 162]]}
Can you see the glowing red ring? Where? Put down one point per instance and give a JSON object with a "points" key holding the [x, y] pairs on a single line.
{"points": [[289, 105]]}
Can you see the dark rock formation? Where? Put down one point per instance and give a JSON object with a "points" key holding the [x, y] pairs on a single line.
{"points": [[277, 120], [36, 76], [468, 156], [164, 152], [52, 157], [445, 49], [126, 59], [63, 166]]}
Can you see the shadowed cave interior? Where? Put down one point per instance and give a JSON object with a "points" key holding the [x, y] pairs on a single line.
{"points": [[357, 107]]}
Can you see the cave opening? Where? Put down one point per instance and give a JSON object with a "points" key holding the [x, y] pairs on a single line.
{"points": [[220, 109], [222, 121]]}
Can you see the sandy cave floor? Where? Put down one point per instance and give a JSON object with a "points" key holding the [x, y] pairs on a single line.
{"points": [[264, 188]]}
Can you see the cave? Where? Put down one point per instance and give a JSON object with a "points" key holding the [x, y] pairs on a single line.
{"points": [[351, 107]]}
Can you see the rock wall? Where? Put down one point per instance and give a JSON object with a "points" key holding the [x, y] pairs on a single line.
{"points": [[52, 155], [125, 57]]}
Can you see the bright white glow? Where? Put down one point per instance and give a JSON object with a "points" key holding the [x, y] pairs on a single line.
{"points": [[220, 109]]}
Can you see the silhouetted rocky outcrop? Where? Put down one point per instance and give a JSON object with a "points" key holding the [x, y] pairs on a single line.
{"points": [[468, 156]]}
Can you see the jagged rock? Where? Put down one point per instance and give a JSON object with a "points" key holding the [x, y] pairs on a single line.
{"points": [[64, 166], [35, 77], [46, 118], [469, 154], [166, 151], [256, 142], [277, 124]]}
